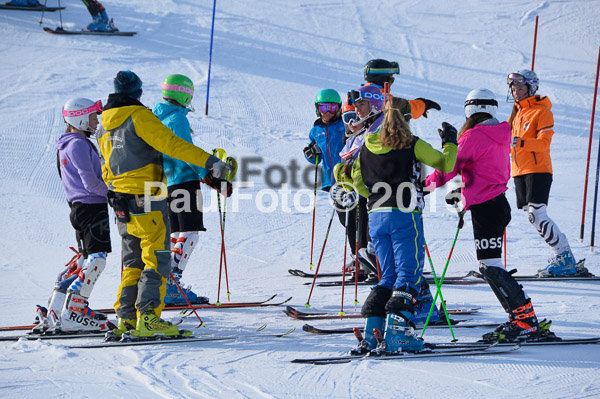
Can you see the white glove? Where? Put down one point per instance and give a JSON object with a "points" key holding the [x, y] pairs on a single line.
{"points": [[349, 199], [220, 169]]}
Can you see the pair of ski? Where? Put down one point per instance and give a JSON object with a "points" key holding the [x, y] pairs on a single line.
{"points": [[30, 8], [144, 341], [474, 277], [185, 309], [451, 349]]}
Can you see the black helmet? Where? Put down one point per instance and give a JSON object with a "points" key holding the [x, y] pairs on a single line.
{"points": [[380, 71]]}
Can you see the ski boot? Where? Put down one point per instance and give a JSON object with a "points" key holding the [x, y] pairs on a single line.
{"points": [[369, 341], [399, 336], [78, 317], [150, 326], [522, 325], [368, 261], [24, 3], [350, 267], [173, 297], [123, 326], [46, 317], [563, 264], [423, 306], [101, 23]]}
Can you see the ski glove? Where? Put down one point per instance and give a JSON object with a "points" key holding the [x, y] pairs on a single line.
{"points": [[429, 104], [453, 197], [448, 133], [220, 169], [312, 150], [349, 199], [217, 184]]}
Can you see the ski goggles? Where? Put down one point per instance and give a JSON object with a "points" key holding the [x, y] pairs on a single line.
{"points": [[328, 107], [97, 107], [515, 78], [395, 69], [349, 117]]}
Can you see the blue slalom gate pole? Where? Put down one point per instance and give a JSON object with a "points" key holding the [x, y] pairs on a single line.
{"points": [[212, 33]]}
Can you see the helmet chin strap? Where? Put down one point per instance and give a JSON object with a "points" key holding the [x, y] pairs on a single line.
{"points": [[350, 133], [370, 118]]}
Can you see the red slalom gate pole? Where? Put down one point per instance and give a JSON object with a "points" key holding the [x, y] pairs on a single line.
{"points": [[587, 165], [537, 18]]}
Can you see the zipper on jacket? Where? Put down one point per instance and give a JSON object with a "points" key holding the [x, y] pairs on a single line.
{"points": [[534, 158]]}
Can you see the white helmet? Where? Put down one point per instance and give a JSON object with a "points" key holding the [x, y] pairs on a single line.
{"points": [[76, 112], [481, 100]]}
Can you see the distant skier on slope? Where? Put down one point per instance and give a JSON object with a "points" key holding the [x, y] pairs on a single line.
{"points": [[483, 161], [80, 172], [532, 124], [389, 160], [100, 22]]}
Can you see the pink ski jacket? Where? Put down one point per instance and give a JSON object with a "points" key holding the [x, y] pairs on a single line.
{"points": [[483, 160]]}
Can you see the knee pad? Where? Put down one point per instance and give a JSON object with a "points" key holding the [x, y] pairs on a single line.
{"points": [[536, 213], [183, 248], [375, 303], [92, 268]]}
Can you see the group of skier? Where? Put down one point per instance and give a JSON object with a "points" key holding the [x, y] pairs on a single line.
{"points": [[137, 147], [371, 167], [377, 178]]}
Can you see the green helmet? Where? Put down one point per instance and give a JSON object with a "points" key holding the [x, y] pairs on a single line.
{"points": [[179, 88], [328, 96]]}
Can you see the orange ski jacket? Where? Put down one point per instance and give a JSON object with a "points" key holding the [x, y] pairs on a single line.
{"points": [[533, 125]]}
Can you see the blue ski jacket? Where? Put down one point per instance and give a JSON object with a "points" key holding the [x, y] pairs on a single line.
{"points": [[174, 117], [329, 138]]}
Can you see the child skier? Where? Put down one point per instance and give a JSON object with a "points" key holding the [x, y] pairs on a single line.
{"points": [[183, 183], [532, 125], [483, 161], [390, 160], [80, 172]]}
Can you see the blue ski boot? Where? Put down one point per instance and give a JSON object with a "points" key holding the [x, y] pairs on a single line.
{"points": [[399, 336], [173, 296], [368, 342], [563, 264], [423, 305]]}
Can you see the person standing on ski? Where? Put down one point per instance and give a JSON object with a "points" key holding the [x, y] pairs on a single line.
{"points": [[327, 135], [388, 172], [353, 141], [132, 140], [101, 22], [532, 124], [378, 72], [183, 185], [483, 161], [80, 172]]}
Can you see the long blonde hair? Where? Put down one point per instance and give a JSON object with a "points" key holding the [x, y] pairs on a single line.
{"points": [[395, 131]]}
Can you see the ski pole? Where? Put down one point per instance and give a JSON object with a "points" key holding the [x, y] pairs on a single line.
{"points": [[342, 313], [442, 300], [461, 222], [312, 238], [356, 263], [307, 304], [60, 15], [43, 11], [212, 33], [587, 165], [187, 300]]}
